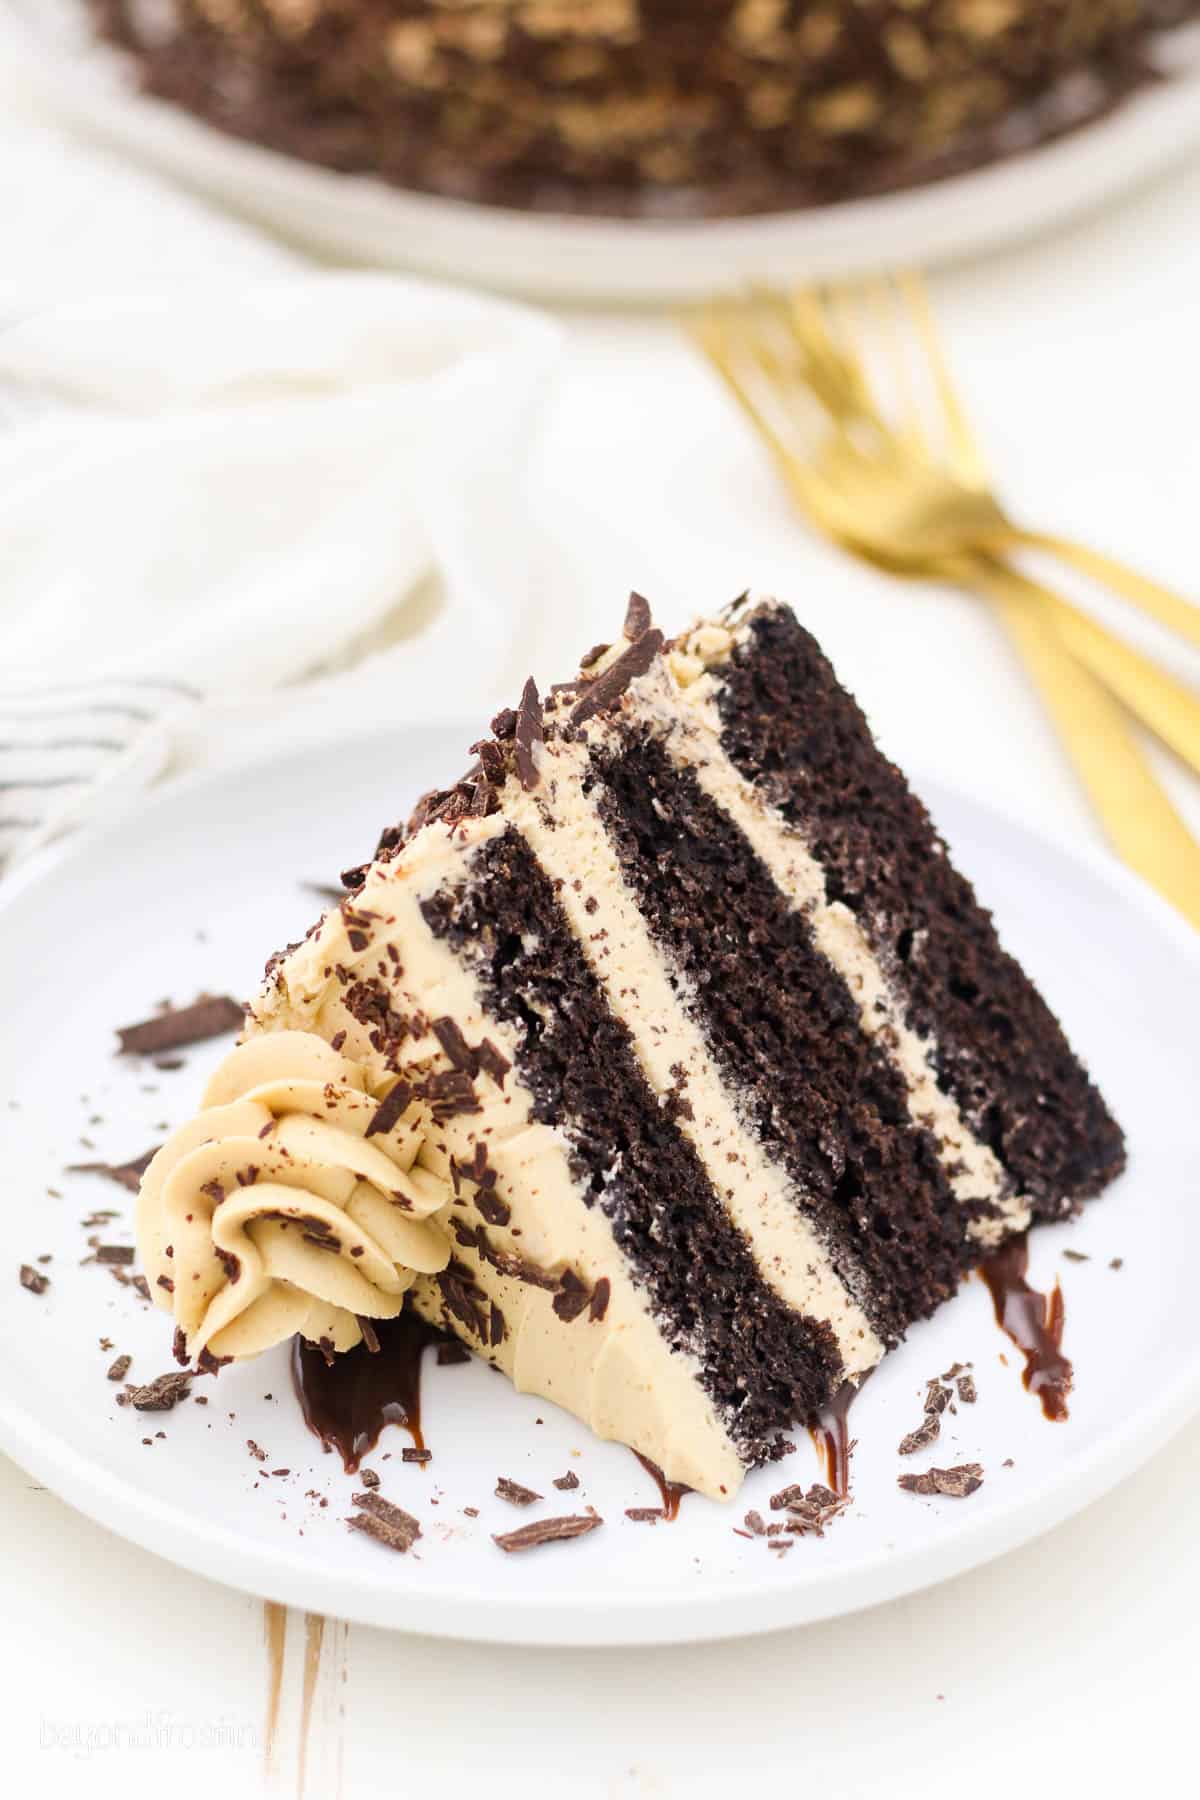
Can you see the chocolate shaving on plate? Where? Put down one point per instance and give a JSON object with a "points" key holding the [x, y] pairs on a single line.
{"points": [[369, 1478], [161, 1394], [128, 1174], [926, 1433], [968, 1393], [645, 1515], [514, 1493], [180, 1026], [33, 1279], [387, 1523], [119, 1368], [547, 1531], [957, 1483], [113, 1255], [411, 1454]]}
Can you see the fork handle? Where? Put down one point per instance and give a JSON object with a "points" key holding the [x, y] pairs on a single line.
{"points": [[1163, 704], [1137, 815], [1161, 603]]}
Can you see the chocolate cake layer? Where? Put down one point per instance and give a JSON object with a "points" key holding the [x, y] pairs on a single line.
{"points": [[764, 1366], [784, 1030], [998, 1049], [667, 107]]}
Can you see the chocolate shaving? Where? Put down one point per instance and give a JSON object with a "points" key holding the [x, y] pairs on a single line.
{"points": [[390, 1110], [601, 1294], [527, 736], [514, 1493], [128, 1174], [387, 1524], [181, 1026], [256, 1450], [957, 1482], [968, 1393], [567, 1482], [114, 1255], [369, 1335], [492, 1208], [492, 1061], [369, 1478], [637, 617], [572, 1297], [33, 1279], [448, 1354], [161, 1394], [927, 1432], [546, 1531], [1077, 1256], [645, 1515], [497, 1328], [119, 1368], [754, 1524], [607, 689], [593, 655], [411, 1454]]}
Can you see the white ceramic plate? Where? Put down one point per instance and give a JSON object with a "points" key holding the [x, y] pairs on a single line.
{"points": [[558, 257], [191, 893]]}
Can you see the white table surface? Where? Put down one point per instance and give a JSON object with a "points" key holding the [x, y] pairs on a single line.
{"points": [[1070, 1664]]}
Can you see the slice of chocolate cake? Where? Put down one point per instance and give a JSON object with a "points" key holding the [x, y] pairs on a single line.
{"points": [[666, 1059]]}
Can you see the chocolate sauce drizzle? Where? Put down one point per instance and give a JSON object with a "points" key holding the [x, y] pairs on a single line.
{"points": [[830, 1434], [347, 1402], [1034, 1322], [672, 1491]]}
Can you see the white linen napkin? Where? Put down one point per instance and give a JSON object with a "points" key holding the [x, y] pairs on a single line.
{"points": [[220, 479]]}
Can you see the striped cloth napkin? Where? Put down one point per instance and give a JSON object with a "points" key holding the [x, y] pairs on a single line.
{"points": [[222, 471]]}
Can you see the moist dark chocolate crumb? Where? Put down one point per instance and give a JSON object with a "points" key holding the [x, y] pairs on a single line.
{"points": [[127, 1174], [547, 1531], [957, 1483], [161, 1394], [448, 1354], [175, 1029], [1077, 1256], [411, 1454], [637, 617], [514, 1493], [527, 735], [390, 1109], [926, 1433], [369, 1478], [33, 1280], [119, 1368], [968, 1393], [256, 1450], [567, 1482], [645, 1515]]}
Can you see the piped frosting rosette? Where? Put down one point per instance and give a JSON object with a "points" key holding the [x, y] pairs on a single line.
{"points": [[291, 1203]]}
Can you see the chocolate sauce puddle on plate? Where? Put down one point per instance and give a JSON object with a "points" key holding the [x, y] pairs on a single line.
{"points": [[347, 1402], [1034, 1322], [829, 1431], [672, 1491]]}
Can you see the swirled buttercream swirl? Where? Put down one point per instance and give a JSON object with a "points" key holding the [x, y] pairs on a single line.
{"points": [[290, 1203]]}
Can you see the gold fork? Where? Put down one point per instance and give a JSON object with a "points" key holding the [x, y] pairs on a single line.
{"points": [[883, 489]]}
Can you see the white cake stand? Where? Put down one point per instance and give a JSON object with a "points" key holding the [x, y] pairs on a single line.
{"points": [[557, 257]]}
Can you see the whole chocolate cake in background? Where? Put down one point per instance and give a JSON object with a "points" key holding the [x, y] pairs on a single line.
{"points": [[658, 107], [665, 1058]]}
